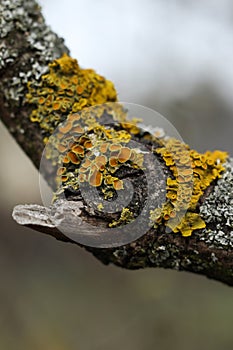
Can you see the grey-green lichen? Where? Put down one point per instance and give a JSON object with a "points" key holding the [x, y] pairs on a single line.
{"points": [[163, 253], [169, 253], [25, 38], [217, 211]]}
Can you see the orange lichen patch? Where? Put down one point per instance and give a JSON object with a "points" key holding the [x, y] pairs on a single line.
{"points": [[49, 100], [124, 154], [88, 144], [65, 160], [59, 135], [64, 178], [56, 106], [104, 147], [61, 171], [118, 185], [166, 216], [74, 80], [185, 160], [193, 173], [65, 128], [78, 149], [83, 170], [93, 168], [41, 100], [61, 148], [92, 152], [98, 156], [172, 214], [186, 171], [74, 117], [181, 179], [83, 140], [79, 90], [96, 179], [113, 161], [73, 158], [70, 143], [78, 129], [115, 147], [101, 161], [63, 85], [86, 163]]}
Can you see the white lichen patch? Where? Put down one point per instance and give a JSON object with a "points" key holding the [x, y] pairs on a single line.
{"points": [[22, 25], [217, 210]]}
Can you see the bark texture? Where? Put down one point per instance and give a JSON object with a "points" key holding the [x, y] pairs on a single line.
{"points": [[27, 46]]}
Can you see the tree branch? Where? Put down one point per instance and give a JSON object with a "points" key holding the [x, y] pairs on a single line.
{"points": [[27, 47], [151, 250]]}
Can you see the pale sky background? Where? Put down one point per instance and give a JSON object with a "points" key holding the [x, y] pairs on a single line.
{"points": [[165, 45]]}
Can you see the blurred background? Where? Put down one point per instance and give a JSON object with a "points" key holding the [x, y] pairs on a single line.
{"points": [[175, 57]]}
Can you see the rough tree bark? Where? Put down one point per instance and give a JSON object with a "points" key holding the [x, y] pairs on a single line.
{"points": [[27, 46]]}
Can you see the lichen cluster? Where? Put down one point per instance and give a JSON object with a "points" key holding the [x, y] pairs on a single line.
{"points": [[192, 173], [64, 90], [217, 210], [85, 151], [83, 148], [93, 153]]}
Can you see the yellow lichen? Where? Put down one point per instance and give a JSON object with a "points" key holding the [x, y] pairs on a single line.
{"points": [[188, 223], [66, 89], [125, 217], [85, 150], [100, 206], [192, 174]]}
